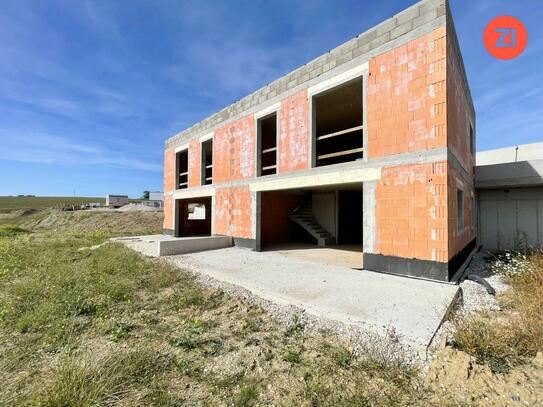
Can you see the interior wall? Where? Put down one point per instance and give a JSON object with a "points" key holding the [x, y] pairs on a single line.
{"points": [[325, 211], [349, 217], [275, 207]]}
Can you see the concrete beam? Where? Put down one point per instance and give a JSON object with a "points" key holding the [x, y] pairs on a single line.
{"points": [[307, 181]]}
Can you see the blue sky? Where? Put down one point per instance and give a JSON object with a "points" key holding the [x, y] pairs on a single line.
{"points": [[90, 90]]}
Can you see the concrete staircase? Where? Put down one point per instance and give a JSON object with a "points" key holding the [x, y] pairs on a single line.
{"points": [[303, 216]]}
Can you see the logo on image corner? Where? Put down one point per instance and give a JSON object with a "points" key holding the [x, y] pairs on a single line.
{"points": [[505, 37]]}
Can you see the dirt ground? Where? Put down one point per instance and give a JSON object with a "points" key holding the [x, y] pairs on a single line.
{"points": [[114, 222], [456, 378]]}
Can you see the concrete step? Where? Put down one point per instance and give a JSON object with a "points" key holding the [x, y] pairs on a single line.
{"points": [[305, 218]]}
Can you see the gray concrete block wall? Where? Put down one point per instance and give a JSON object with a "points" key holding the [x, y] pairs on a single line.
{"points": [[406, 25]]}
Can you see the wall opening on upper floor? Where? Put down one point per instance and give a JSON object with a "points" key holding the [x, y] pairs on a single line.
{"points": [[207, 162], [267, 145], [338, 121], [182, 169]]}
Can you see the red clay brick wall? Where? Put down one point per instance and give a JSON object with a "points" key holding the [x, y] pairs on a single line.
{"points": [[274, 211], [458, 121], [411, 211], [459, 111], [169, 185], [406, 97], [168, 212], [293, 133], [234, 150], [233, 212], [195, 163], [457, 241], [169, 170]]}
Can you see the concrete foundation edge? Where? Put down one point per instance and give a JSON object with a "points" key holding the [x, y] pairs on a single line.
{"points": [[184, 246], [457, 261], [169, 232], [427, 269], [246, 243]]}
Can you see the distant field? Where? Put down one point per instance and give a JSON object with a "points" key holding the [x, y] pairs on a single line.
{"points": [[38, 202], [8, 203]]}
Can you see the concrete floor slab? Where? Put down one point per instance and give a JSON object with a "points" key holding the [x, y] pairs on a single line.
{"points": [[368, 300], [339, 255]]}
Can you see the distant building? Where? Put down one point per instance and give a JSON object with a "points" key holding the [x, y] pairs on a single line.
{"points": [[156, 199], [91, 205], [116, 201]]}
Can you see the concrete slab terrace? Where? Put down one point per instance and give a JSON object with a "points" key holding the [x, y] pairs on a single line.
{"points": [[366, 300], [164, 245]]}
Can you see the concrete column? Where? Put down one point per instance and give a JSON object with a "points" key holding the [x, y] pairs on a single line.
{"points": [[256, 213], [368, 216], [213, 232], [175, 206]]}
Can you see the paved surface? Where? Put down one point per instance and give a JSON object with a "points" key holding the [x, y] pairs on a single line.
{"points": [[369, 300]]}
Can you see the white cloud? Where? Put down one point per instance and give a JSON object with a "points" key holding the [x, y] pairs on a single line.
{"points": [[52, 149]]}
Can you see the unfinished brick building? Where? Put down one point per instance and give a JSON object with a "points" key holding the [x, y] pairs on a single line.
{"points": [[370, 145]]}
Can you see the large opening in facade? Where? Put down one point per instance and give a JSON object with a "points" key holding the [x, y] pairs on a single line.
{"points": [[267, 145], [207, 162], [182, 173], [322, 223], [194, 217], [339, 124]]}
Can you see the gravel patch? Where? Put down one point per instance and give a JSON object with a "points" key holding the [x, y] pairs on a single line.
{"points": [[475, 296]]}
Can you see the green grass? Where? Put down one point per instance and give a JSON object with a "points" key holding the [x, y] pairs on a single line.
{"points": [[10, 230], [109, 327], [514, 335]]}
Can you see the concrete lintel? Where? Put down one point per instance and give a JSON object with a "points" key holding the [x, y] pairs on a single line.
{"points": [[195, 192], [207, 137], [346, 76], [267, 110], [181, 147], [307, 181]]}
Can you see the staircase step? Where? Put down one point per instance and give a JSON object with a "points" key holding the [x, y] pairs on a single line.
{"points": [[306, 219]]}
